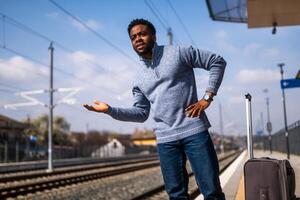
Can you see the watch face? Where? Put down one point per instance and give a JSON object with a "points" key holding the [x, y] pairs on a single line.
{"points": [[207, 97]]}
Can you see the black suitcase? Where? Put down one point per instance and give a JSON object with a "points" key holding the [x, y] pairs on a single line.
{"points": [[266, 178]]}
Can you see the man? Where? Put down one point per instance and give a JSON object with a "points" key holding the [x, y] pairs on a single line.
{"points": [[166, 83]]}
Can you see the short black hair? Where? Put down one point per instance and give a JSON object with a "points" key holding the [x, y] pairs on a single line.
{"points": [[143, 22]]}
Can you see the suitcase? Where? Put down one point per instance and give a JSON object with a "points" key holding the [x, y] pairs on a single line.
{"points": [[266, 178]]}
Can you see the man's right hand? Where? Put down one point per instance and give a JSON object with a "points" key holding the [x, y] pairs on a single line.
{"points": [[98, 106]]}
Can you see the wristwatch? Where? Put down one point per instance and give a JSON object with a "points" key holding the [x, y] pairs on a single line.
{"points": [[208, 98]]}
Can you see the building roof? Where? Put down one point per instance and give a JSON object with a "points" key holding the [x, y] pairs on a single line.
{"points": [[257, 13], [6, 122], [228, 11]]}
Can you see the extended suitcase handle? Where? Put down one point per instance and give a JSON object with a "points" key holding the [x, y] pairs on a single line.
{"points": [[249, 125]]}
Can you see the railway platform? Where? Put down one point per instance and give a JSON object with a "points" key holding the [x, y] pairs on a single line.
{"points": [[232, 180]]}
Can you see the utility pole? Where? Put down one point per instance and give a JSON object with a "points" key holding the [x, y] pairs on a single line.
{"points": [[170, 36], [87, 128], [221, 129], [31, 101], [280, 65], [269, 124], [50, 124], [262, 123]]}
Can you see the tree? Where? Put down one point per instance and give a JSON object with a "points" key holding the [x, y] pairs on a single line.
{"points": [[39, 128]]}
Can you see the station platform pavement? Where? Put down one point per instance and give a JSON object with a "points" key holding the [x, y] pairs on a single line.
{"points": [[232, 179]]}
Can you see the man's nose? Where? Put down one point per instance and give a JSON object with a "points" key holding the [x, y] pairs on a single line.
{"points": [[139, 38]]}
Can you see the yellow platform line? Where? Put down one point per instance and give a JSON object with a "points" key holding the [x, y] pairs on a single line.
{"points": [[240, 195]]}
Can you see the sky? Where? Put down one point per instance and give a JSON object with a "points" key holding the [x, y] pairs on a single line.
{"points": [[103, 64]]}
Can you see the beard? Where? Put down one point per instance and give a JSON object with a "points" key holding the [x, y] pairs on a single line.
{"points": [[147, 49]]}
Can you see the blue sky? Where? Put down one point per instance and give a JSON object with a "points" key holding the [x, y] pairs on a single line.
{"points": [[105, 74]]}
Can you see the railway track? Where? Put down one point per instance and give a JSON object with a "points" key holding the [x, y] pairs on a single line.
{"points": [[25, 175], [60, 163], [35, 183], [159, 192], [22, 184]]}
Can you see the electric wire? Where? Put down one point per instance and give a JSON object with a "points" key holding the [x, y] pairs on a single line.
{"points": [[93, 31], [181, 22], [7, 91], [159, 13], [16, 89], [156, 15], [3, 26], [159, 17], [26, 28], [27, 57], [85, 81], [42, 64]]}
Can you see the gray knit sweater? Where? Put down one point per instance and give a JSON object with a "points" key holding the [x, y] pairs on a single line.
{"points": [[167, 85]]}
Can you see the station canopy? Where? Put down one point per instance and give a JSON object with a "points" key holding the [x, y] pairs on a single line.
{"points": [[256, 13], [228, 10]]}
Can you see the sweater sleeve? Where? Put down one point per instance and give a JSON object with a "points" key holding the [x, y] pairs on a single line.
{"points": [[211, 62], [139, 112]]}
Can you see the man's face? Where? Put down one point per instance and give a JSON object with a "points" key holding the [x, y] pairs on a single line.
{"points": [[142, 40]]}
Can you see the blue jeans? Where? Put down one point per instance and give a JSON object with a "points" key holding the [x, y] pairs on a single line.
{"points": [[200, 151]]}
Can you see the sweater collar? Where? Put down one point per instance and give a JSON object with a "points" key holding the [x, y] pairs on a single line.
{"points": [[154, 52]]}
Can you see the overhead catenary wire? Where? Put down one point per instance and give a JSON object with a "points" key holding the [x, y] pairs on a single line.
{"points": [[159, 17], [181, 22], [56, 69], [28, 29], [41, 63], [3, 27], [11, 87], [35, 61], [159, 13], [93, 31], [151, 7], [7, 91], [27, 57]]}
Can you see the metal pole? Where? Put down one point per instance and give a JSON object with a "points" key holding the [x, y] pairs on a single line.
{"points": [[50, 124], [284, 112], [269, 124], [262, 128], [6, 151], [170, 36], [221, 129], [17, 151], [269, 128], [262, 123], [249, 125]]}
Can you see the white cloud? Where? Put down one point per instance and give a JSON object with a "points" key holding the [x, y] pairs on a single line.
{"points": [[271, 53], [90, 23], [257, 49], [252, 49], [112, 81], [223, 43], [221, 34], [19, 69], [258, 76], [81, 57]]}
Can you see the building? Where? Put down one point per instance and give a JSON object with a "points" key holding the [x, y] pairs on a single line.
{"points": [[144, 138], [11, 142], [144, 141], [114, 148]]}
